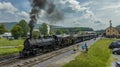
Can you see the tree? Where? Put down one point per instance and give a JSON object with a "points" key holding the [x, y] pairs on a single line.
{"points": [[17, 31], [25, 27], [2, 29], [59, 31], [36, 34], [52, 32], [83, 33], [43, 29]]}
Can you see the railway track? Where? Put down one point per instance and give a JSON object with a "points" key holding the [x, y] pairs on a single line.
{"points": [[7, 58], [29, 62]]}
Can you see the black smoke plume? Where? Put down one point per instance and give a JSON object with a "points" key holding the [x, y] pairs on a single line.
{"points": [[36, 5], [48, 6], [53, 13]]}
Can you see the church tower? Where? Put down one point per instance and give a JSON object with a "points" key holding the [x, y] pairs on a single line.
{"points": [[110, 23], [111, 31]]}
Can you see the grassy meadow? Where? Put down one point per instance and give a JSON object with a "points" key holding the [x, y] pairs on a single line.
{"points": [[6, 42], [10, 46], [97, 56]]}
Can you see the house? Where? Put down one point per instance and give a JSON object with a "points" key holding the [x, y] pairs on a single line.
{"points": [[112, 32], [7, 35]]}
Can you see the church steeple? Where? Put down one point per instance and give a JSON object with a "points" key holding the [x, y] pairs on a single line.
{"points": [[110, 23]]}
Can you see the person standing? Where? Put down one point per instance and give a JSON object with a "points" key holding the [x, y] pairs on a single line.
{"points": [[83, 47], [86, 47]]}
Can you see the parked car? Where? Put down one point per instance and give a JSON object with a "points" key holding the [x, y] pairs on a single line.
{"points": [[118, 64], [116, 51], [115, 45]]}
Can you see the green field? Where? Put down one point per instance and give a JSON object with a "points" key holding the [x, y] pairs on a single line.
{"points": [[6, 42], [97, 56], [10, 46]]}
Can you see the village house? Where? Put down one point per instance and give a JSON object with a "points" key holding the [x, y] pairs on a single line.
{"points": [[112, 32]]}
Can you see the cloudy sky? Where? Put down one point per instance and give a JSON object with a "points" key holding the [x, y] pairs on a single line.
{"points": [[77, 13]]}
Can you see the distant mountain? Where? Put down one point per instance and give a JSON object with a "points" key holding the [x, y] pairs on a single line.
{"points": [[53, 26], [77, 28], [37, 26], [9, 25], [100, 31]]}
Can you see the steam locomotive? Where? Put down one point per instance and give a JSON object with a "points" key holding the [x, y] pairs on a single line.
{"points": [[46, 44]]}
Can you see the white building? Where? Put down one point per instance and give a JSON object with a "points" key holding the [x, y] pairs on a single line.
{"points": [[7, 35]]}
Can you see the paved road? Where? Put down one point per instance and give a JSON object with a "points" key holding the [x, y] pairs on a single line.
{"points": [[63, 58]]}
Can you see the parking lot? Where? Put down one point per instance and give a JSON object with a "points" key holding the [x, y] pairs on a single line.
{"points": [[115, 57]]}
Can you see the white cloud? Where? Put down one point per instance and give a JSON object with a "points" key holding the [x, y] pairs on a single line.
{"points": [[87, 3], [8, 7], [74, 8], [76, 5], [23, 14], [111, 6], [77, 13], [105, 10], [8, 12]]}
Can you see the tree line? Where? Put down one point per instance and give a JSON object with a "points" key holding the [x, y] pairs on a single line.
{"points": [[21, 29]]}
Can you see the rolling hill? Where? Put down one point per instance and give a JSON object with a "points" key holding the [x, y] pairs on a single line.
{"points": [[9, 26]]}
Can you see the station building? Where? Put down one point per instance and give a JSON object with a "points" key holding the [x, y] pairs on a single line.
{"points": [[112, 32]]}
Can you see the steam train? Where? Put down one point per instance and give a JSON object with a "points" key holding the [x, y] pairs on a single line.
{"points": [[46, 44]]}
